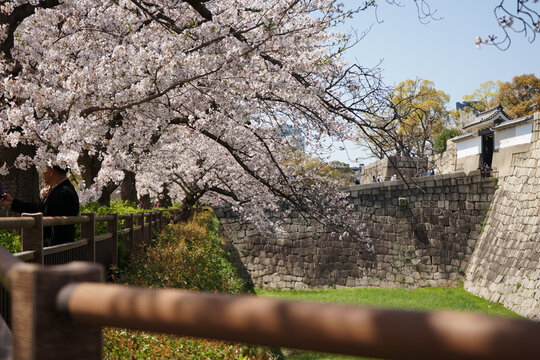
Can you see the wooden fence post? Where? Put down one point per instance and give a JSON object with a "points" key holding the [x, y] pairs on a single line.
{"points": [[112, 227], [154, 227], [88, 231], [131, 234], [6, 340], [148, 237], [160, 220], [40, 332], [32, 238], [140, 233]]}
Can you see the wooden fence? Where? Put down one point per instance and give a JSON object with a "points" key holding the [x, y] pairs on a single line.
{"points": [[103, 249], [58, 311]]}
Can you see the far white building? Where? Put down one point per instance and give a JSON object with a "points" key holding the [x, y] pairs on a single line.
{"points": [[493, 137]]}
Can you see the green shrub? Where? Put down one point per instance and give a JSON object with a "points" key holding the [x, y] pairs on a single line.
{"points": [[10, 241], [187, 256], [145, 345], [440, 141], [116, 207]]}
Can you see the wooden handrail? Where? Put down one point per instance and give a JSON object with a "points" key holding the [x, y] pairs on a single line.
{"points": [[311, 326], [103, 237], [25, 255], [101, 218], [55, 249], [64, 220], [16, 223], [38, 332]]}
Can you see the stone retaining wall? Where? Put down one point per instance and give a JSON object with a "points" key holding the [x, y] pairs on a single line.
{"points": [[425, 241], [505, 267], [392, 166]]}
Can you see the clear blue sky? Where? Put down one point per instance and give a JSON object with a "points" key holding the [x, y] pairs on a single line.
{"points": [[442, 51]]}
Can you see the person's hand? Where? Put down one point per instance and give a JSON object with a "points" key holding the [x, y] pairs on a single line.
{"points": [[6, 200], [45, 192]]}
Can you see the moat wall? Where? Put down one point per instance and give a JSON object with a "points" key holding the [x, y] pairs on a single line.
{"points": [[423, 235], [505, 266]]}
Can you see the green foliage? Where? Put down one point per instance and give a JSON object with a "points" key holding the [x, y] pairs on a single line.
{"points": [[485, 97], [10, 240], [521, 96], [314, 170], [124, 344], [440, 141], [482, 226], [116, 207], [187, 256], [342, 167], [425, 114]]}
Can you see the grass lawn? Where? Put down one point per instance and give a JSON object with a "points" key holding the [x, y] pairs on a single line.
{"points": [[423, 299]]}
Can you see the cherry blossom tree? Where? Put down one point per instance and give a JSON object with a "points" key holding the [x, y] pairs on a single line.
{"points": [[514, 16], [190, 96]]}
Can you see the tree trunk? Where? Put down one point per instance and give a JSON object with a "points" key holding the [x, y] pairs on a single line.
{"points": [[128, 191], [23, 185], [188, 204], [90, 168], [165, 200], [106, 192], [146, 204]]}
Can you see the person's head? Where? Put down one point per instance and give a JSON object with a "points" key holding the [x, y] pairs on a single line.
{"points": [[53, 175]]}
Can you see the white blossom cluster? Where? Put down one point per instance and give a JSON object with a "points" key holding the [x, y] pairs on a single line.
{"points": [[191, 96]]}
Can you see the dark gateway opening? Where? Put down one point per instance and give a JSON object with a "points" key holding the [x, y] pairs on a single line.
{"points": [[487, 148]]}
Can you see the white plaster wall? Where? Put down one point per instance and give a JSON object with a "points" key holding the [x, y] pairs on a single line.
{"points": [[519, 135], [469, 147], [524, 133], [503, 136]]}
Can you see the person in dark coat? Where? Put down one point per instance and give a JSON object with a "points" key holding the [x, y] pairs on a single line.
{"points": [[59, 198]]}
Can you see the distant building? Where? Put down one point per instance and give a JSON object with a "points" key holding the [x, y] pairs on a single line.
{"points": [[491, 137], [468, 106]]}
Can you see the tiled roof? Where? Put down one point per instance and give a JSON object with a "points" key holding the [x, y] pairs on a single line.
{"points": [[488, 117]]}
